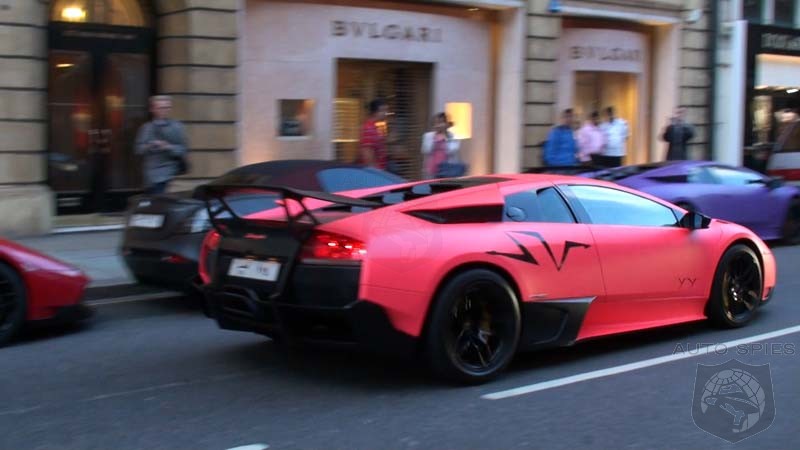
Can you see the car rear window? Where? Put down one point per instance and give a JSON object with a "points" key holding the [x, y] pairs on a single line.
{"points": [[351, 178]]}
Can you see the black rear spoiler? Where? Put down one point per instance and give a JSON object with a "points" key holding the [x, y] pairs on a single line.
{"points": [[214, 197]]}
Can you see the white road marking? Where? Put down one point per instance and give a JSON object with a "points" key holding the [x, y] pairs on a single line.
{"points": [[558, 382], [134, 298], [83, 229], [251, 447], [160, 387], [19, 411]]}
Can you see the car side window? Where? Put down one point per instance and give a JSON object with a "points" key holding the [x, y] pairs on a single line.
{"points": [[734, 177], [349, 178], [700, 175], [608, 206], [545, 205]]}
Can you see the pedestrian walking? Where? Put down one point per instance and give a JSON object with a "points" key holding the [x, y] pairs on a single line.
{"points": [[372, 143], [591, 139], [438, 147], [616, 134], [677, 134], [560, 148], [162, 143]]}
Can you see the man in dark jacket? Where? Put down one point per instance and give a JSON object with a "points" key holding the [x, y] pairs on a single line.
{"points": [[677, 135], [560, 148], [162, 143]]}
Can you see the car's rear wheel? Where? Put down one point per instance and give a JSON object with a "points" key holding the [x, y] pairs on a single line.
{"points": [[791, 226], [12, 303], [474, 327], [737, 288]]}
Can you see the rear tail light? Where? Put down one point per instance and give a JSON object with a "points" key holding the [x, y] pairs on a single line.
{"points": [[208, 255], [332, 247]]}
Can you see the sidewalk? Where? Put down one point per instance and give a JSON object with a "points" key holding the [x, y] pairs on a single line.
{"points": [[95, 252]]}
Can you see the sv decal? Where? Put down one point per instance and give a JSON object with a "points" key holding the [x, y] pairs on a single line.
{"points": [[526, 256], [687, 282]]}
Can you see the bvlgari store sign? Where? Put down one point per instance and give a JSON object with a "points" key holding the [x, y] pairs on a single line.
{"points": [[395, 32], [583, 49]]}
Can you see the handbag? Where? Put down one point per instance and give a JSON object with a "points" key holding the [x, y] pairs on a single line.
{"points": [[451, 168]]}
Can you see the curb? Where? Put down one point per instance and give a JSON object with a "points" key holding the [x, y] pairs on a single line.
{"points": [[127, 292]]}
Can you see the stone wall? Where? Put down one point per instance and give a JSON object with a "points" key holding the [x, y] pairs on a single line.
{"points": [[26, 205], [197, 65]]}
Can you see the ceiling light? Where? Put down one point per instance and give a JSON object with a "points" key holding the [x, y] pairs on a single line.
{"points": [[64, 65], [73, 14], [792, 90], [473, 9]]}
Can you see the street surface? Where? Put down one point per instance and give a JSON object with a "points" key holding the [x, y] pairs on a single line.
{"points": [[158, 374]]}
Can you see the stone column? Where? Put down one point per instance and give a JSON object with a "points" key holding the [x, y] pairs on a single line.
{"points": [[26, 203], [197, 65], [544, 29]]}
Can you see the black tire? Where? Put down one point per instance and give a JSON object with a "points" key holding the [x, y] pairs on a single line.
{"points": [[791, 225], [474, 327], [13, 306], [737, 288]]}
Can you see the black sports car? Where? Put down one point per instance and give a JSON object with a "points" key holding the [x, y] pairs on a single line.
{"points": [[163, 233]]}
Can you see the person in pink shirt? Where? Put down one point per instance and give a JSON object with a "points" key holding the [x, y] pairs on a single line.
{"points": [[591, 139], [438, 146]]}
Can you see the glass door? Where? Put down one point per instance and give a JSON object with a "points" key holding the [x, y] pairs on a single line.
{"points": [[99, 87]]}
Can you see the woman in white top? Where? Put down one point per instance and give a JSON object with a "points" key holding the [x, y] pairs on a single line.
{"points": [[438, 146]]}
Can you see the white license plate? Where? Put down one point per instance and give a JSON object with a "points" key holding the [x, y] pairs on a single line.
{"points": [[147, 220], [254, 270]]}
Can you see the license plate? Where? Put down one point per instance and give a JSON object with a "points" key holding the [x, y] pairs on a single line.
{"points": [[147, 220], [254, 270]]}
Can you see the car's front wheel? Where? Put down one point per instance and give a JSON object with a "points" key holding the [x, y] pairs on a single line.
{"points": [[12, 303], [737, 288], [474, 327]]}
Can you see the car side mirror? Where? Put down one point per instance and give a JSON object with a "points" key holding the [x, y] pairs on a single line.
{"points": [[694, 221], [774, 183]]}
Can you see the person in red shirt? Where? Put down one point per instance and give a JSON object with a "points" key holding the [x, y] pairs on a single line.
{"points": [[372, 145]]}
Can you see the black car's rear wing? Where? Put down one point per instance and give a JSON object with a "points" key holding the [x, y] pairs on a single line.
{"points": [[226, 221]]}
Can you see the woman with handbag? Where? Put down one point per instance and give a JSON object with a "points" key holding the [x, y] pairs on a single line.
{"points": [[440, 150]]}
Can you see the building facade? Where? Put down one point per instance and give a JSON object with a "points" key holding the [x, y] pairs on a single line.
{"points": [[644, 58], [758, 69], [257, 80]]}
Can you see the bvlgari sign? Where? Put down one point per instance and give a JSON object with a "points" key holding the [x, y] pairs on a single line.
{"points": [[583, 49], [605, 53], [374, 30]]}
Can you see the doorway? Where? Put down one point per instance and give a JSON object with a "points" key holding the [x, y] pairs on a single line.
{"points": [[100, 78], [596, 90], [405, 86]]}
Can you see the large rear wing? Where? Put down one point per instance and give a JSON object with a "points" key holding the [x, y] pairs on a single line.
{"points": [[226, 221]]}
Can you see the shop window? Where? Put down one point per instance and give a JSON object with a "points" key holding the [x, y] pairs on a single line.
{"points": [[295, 117], [460, 114], [752, 9], [346, 120], [784, 12]]}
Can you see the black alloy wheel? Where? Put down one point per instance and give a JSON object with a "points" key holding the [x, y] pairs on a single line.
{"points": [[791, 226], [12, 303], [474, 328], [737, 289]]}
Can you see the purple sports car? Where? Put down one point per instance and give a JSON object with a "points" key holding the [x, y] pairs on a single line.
{"points": [[763, 204]]}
